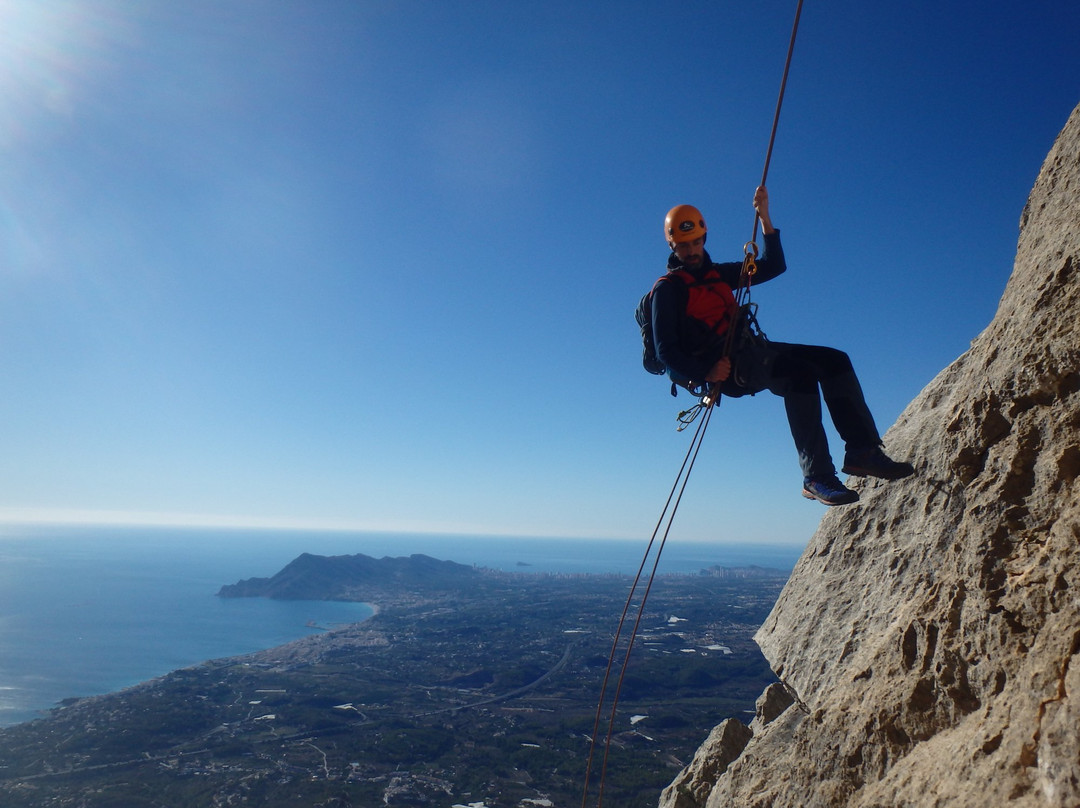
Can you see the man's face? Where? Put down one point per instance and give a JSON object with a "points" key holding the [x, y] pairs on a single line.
{"points": [[690, 253]]}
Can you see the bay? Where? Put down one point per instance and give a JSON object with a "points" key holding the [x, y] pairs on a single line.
{"points": [[91, 610]]}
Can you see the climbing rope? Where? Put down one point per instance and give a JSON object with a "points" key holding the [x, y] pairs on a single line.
{"points": [[705, 407], [779, 103], [662, 529]]}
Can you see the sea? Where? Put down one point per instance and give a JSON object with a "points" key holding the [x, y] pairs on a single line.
{"points": [[92, 610]]}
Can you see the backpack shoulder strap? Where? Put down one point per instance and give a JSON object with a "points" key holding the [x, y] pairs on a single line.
{"points": [[681, 274]]}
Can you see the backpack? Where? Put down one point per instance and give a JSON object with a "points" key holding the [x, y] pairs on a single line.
{"points": [[649, 360], [643, 315]]}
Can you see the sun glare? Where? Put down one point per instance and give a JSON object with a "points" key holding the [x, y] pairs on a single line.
{"points": [[30, 52], [49, 49]]}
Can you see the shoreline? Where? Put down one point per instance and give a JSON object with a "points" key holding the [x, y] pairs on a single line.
{"points": [[44, 709]]}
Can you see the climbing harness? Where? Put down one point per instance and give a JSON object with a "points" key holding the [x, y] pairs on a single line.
{"points": [[704, 408]]}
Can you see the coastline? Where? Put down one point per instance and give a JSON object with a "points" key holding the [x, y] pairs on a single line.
{"points": [[42, 677], [94, 610]]}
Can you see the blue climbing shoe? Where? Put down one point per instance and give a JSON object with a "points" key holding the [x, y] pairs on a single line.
{"points": [[873, 462], [828, 490]]}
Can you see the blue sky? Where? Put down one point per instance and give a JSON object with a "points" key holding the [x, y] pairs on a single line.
{"points": [[374, 264]]}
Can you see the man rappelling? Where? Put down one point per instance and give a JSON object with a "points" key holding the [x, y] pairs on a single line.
{"points": [[693, 307]]}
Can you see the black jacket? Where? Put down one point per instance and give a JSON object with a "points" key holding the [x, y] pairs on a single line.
{"points": [[687, 351]]}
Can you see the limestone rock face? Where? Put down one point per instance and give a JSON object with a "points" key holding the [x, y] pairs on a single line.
{"points": [[931, 633], [694, 784]]}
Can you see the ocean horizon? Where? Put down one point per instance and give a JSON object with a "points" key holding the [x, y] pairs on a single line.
{"points": [[92, 610]]}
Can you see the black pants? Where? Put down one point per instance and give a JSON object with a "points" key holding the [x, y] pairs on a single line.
{"points": [[803, 375]]}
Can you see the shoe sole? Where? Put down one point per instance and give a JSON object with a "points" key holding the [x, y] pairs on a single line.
{"points": [[823, 501], [856, 471]]}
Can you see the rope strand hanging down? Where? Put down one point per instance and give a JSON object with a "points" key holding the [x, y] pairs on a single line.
{"points": [[662, 529]]}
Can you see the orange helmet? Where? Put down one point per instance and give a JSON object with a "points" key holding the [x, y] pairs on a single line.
{"points": [[684, 223]]}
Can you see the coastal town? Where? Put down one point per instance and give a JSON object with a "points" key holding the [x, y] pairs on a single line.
{"points": [[479, 696]]}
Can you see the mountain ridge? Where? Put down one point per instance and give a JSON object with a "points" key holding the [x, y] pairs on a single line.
{"points": [[353, 577]]}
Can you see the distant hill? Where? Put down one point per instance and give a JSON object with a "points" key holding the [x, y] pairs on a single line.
{"points": [[353, 577]]}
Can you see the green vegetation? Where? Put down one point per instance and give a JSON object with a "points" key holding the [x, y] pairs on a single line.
{"points": [[487, 695]]}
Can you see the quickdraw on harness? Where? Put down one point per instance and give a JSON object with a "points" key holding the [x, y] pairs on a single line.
{"points": [[706, 405]]}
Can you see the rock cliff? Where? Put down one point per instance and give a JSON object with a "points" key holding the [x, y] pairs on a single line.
{"points": [[929, 636]]}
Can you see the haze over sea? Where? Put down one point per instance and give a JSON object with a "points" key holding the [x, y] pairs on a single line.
{"points": [[91, 610]]}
